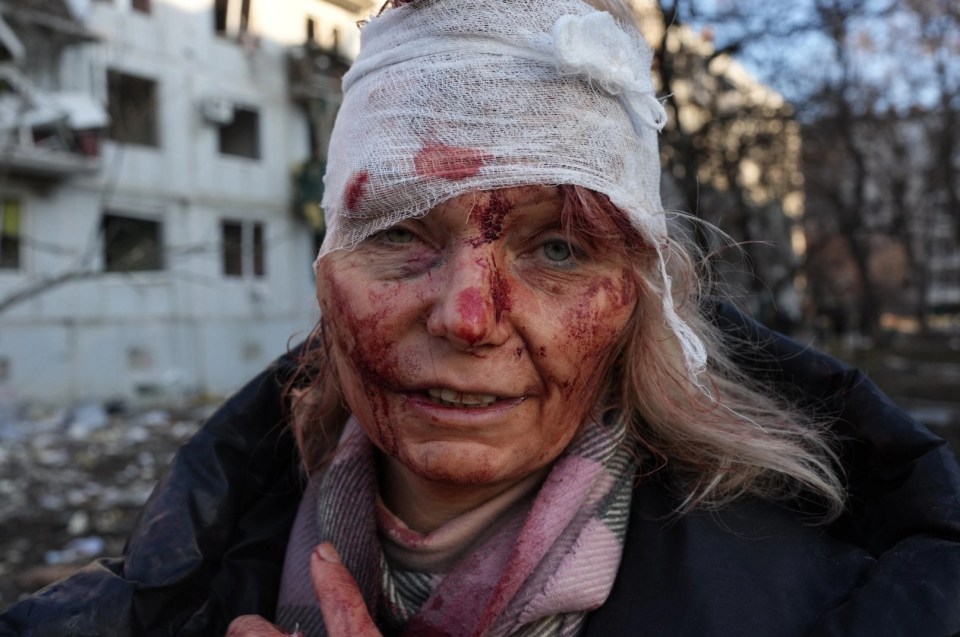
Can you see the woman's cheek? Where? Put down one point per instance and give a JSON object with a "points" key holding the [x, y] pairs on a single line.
{"points": [[365, 323], [363, 350], [593, 322]]}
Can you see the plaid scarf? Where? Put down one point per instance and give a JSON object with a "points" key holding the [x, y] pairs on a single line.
{"points": [[538, 574]]}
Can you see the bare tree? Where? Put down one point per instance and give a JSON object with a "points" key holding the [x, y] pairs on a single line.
{"points": [[872, 178], [863, 77], [731, 153]]}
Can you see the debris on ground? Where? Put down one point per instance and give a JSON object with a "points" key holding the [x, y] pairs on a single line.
{"points": [[72, 483]]}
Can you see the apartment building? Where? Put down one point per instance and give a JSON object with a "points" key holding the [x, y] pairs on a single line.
{"points": [[160, 165]]}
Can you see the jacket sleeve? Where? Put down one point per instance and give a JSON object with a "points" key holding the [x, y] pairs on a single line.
{"points": [[209, 543], [904, 488]]}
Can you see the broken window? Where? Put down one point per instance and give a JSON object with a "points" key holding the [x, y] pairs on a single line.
{"points": [[244, 248], [10, 234], [133, 109], [132, 245], [220, 17], [241, 137], [224, 23], [141, 5]]}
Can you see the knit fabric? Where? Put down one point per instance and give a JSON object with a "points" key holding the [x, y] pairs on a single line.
{"points": [[538, 574]]}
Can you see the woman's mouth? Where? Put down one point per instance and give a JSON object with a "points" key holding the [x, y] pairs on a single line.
{"points": [[451, 398]]}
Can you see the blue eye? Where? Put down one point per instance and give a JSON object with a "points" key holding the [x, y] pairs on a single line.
{"points": [[397, 235], [557, 250]]}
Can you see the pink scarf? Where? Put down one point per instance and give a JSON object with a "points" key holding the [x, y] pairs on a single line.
{"points": [[538, 574]]}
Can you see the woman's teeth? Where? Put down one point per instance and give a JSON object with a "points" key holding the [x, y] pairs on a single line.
{"points": [[450, 398]]}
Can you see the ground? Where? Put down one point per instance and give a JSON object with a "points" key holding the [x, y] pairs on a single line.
{"points": [[71, 483]]}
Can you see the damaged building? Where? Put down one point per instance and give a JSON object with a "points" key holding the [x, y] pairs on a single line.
{"points": [[160, 165]]}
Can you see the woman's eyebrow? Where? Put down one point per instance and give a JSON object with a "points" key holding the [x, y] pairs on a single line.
{"points": [[534, 219]]}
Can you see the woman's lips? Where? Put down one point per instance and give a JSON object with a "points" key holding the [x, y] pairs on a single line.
{"points": [[464, 403], [462, 400]]}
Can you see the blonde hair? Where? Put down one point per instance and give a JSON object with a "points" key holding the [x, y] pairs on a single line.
{"points": [[727, 436], [720, 438]]}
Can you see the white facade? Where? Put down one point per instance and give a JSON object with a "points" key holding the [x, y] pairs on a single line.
{"points": [[190, 321]]}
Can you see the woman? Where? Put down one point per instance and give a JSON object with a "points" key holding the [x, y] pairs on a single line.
{"points": [[514, 336], [517, 416]]}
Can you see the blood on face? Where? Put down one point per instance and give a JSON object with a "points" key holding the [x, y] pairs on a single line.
{"points": [[486, 311]]}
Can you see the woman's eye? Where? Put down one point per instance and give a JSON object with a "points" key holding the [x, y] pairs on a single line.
{"points": [[557, 250], [397, 235]]}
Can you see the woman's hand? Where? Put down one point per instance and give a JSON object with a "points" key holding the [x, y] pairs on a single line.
{"points": [[344, 612], [254, 626]]}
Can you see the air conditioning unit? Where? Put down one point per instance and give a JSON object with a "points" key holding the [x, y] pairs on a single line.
{"points": [[217, 110]]}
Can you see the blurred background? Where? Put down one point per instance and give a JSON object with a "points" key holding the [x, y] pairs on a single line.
{"points": [[161, 169]]}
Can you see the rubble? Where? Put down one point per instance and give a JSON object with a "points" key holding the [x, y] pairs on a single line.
{"points": [[72, 483]]}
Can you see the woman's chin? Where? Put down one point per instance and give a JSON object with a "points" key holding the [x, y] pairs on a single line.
{"points": [[463, 464]]}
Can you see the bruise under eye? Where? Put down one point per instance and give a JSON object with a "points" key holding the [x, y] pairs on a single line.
{"points": [[398, 252]]}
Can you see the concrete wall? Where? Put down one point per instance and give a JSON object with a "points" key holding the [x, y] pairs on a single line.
{"points": [[187, 327]]}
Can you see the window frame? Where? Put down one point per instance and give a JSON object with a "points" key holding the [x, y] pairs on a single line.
{"points": [[129, 115], [154, 260], [231, 249], [226, 25], [11, 240], [246, 258], [250, 114]]}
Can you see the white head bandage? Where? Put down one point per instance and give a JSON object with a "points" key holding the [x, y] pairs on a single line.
{"points": [[453, 96]]}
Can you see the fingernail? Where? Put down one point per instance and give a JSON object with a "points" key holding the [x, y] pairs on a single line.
{"points": [[328, 553]]}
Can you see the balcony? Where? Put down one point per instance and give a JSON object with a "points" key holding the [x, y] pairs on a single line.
{"points": [[51, 17], [314, 73], [46, 164], [48, 136]]}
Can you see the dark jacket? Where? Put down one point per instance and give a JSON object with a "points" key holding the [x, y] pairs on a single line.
{"points": [[210, 542]]}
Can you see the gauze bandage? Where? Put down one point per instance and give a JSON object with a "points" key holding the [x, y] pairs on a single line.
{"points": [[453, 96]]}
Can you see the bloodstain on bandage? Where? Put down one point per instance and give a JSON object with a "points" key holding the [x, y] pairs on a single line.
{"points": [[355, 190], [449, 162]]}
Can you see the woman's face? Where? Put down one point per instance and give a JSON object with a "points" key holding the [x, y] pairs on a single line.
{"points": [[471, 344]]}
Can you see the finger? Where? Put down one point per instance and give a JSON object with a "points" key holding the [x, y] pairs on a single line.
{"points": [[253, 626], [341, 603]]}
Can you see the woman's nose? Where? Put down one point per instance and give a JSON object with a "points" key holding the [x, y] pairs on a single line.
{"points": [[465, 310]]}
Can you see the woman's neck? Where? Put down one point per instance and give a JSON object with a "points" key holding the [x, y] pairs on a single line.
{"points": [[425, 505]]}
